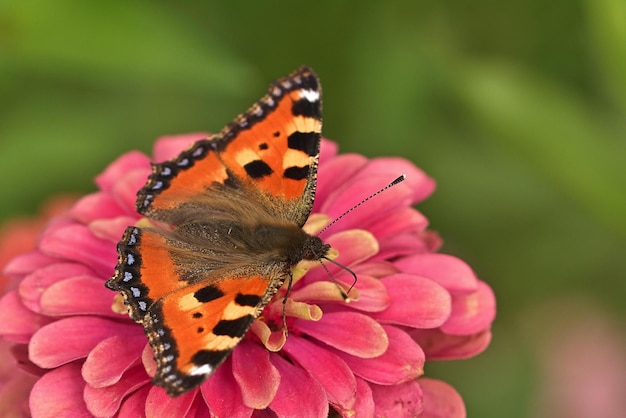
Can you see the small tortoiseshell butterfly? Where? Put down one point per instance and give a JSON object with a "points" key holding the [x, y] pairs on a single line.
{"points": [[223, 230]]}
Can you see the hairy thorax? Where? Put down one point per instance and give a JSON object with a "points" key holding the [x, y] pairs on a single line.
{"points": [[290, 241], [265, 242]]}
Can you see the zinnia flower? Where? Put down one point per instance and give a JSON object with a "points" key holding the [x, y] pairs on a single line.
{"points": [[19, 235], [359, 359]]}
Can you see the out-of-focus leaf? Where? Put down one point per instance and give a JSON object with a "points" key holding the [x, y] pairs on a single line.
{"points": [[117, 41], [555, 133], [607, 25], [83, 82]]}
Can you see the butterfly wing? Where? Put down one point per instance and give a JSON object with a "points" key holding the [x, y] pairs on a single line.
{"points": [[273, 148], [192, 325], [210, 319], [194, 306]]}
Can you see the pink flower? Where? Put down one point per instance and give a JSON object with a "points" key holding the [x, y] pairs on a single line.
{"points": [[17, 236], [364, 358]]}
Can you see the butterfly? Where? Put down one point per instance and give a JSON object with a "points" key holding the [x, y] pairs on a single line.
{"points": [[222, 230]]}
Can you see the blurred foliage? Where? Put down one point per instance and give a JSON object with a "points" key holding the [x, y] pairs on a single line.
{"points": [[517, 109]]}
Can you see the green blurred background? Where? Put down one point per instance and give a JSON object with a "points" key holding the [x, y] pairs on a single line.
{"points": [[517, 109]]}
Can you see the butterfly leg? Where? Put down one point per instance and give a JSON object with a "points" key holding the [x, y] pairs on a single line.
{"points": [[285, 304]]}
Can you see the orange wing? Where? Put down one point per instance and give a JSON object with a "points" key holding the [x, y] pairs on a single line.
{"points": [[209, 320], [274, 145], [192, 326], [191, 284]]}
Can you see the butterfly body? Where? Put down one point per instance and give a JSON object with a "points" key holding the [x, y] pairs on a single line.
{"points": [[222, 232]]}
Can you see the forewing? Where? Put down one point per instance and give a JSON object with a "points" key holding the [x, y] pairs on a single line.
{"points": [[274, 146]]}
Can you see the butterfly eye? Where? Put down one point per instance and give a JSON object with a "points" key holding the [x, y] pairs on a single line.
{"points": [[314, 249]]}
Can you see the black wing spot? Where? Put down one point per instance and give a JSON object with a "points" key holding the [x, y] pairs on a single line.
{"points": [[277, 134], [297, 173], [197, 315], [304, 141], [263, 146], [212, 357], [233, 327], [208, 293], [258, 169], [247, 300], [305, 108]]}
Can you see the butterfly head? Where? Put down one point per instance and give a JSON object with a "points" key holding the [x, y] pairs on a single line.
{"points": [[314, 249]]}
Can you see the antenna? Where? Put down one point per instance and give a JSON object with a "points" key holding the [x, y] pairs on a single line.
{"points": [[393, 183], [345, 294]]}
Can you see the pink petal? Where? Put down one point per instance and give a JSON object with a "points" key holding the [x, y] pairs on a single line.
{"points": [[272, 340], [111, 358], [135, 405], [106, 401], [318, 292], [354, 246], [351, 332], [198, 408], [26, 263], [59, 222], [450, 272], [358, 189], [119, 167], [250, 360], [83, 295], [418, 181], [378, 269], [19, 352], [333, 174], [328, 150], [403, 361], [96, 206], [417, 302], [33, 285], [471, 313], [168, 147], [364, 406], [77, 243], [404, 219], [299, 395], [221, 392], [73, 338], [440, 346], [373, 296], [160, 405], [440, 400], [147, 359], [17, 323], [14, 395], [432, 240], [403, 400], [111, 229], [125, 190], [59, 393], [401, 245], [329, 370]]}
